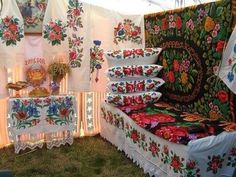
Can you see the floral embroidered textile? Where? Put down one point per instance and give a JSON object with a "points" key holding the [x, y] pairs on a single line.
{"points": [[127, 31], [192, 40], [74, 22], [96, 58], [55, 32], [10, 31]]}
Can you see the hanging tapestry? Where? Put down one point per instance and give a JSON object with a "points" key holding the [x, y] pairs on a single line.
{"points": [[227, 70], [192, 40], [33, 14]]}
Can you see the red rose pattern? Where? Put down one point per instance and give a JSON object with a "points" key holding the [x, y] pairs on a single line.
{"points": [[223, 96]]}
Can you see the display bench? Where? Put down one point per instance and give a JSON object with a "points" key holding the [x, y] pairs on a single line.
{"points": [[35, 121]]}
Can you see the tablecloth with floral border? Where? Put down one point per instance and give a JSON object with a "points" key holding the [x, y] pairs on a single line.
{"points": [[35, 121]]}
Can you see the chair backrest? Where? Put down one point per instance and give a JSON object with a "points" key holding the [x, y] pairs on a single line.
{"points": [[192, 40]]}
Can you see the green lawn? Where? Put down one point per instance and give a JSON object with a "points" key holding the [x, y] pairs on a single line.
{"points": [[87, 157]]}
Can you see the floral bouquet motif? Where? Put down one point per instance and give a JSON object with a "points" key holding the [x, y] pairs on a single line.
{"points": [[96, 58], [127, 31], [10, 30], [55, 32]]}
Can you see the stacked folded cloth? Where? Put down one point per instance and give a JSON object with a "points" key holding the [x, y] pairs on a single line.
{"points": [[133, 77]]}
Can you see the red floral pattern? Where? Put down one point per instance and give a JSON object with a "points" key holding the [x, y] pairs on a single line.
{"points": [[135, 85], [55, 32], [11, 31], [74, 22], [127, 31], [133, 71], [133, 53], [133, 99], [215, 163]]}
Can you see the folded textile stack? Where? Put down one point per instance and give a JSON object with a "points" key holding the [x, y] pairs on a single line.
{"points": [[133, 76]]}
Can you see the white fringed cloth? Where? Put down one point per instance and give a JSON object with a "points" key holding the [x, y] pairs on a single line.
{"points": [[35, 121]]}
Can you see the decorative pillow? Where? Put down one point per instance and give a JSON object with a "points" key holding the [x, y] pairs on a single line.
{"points": [[132, 56], [144, 85], [133, 72], [133, 99]]}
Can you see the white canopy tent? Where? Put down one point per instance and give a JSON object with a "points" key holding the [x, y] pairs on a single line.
{"points": [[136, 7]]}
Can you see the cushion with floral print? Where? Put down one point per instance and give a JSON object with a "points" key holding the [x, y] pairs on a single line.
{"points": [[141, 85], [133, 98], [133, 72], [136, 56]]}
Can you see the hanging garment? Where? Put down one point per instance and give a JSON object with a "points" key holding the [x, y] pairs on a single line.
{"points": [[11, 35], [227, 70], [78, 16], [55, 33]]}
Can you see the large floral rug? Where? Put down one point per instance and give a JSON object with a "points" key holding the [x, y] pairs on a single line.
{"points": [[193, 40]]}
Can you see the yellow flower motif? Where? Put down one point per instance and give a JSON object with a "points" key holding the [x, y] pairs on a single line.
{"points": [[184, 78], [209, 24], [213, 115], [164, 63]]}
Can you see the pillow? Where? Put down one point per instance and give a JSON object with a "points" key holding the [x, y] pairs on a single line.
{"points": [[133, 98], [143, 85], [132, 56], [132, 72]]}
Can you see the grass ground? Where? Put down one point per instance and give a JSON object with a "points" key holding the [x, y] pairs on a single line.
{"points": [[87, 157]]}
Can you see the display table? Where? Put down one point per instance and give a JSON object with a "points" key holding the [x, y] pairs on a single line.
{"points": [[35, 121]]}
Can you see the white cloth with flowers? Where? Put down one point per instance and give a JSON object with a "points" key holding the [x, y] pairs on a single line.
{"points": [[227, 70], [34, 121], [11, 35], [212, 156], [55, 32]]}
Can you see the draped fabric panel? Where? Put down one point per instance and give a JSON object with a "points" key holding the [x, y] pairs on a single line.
{"points": [[79, 42], [12, 33], [111, 30], [55, 33]]}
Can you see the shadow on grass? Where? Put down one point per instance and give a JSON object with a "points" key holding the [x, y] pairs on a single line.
{"points": [[87, 157]]}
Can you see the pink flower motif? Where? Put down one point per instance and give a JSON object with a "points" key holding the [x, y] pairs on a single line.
{"points": [[172, 24], [7, 35], [7, 20], [215, 69], [171, 18], [156, 28], [214, 33], [217, 27], [209, 39], [230, 61], [73, 55], [76, 12], [52, 35], [71, 24]]}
